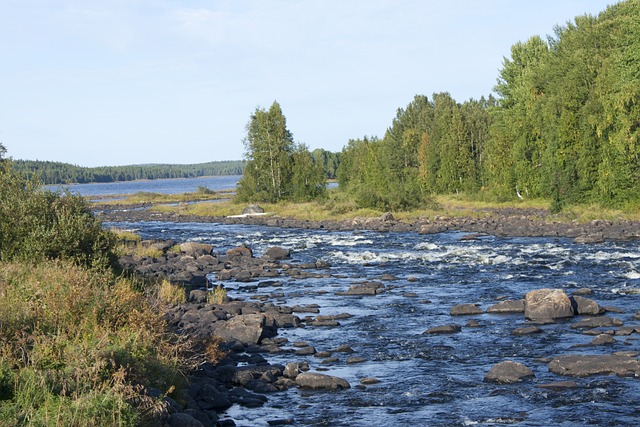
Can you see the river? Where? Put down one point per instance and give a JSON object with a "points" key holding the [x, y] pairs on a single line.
{"points": [[436, 380]]}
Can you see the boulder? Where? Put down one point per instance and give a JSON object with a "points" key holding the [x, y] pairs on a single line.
{"points": [[240, 251], [252, 210], [508, 372], [368, 288], [527, 330], [585, 306], [595, 364], [465, 309], [544, 304], [603, 339], [182, 419], [444, 329], [597, 322], [277, 253], [195, 249], [316, 381], [507, 306], [246, 328]]}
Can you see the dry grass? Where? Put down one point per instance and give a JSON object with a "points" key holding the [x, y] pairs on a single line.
{"points": [[171, 294]]}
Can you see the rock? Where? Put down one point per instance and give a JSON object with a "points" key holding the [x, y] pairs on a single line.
{"points": [[292, 370], [369, 288], [387, 217], [252, 210], [584, 365], [444, 329], [369, 381], [547, 304], [195, 249], [590, 238], [508, 372], [603, 339], [247, 328], [277, 253], [507, 306], [559, 385], [316, 381], [198, 296], [597, 322], [181, 419], [240, 251], [527, 330], [585, 306], [583, 291], [465, 309]]}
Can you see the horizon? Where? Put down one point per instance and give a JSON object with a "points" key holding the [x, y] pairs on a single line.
{"points": [[98, 84]]}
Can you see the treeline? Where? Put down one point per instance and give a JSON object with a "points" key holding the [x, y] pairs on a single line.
{"points": [[65, 173], [565, 126]]}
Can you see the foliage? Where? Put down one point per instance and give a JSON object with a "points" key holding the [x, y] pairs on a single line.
{"points": [[79, 347], [217, 295], [37, 224], [171, 293], [565, 127], [64, 173], [277, 168]]}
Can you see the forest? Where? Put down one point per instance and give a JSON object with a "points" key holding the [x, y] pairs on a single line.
{"points": [[65, 173], [564, 126]]}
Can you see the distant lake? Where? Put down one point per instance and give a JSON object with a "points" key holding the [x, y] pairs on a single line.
{"points": [[163, 186]]}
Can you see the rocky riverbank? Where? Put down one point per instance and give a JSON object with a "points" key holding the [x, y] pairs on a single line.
{"points": [[249, 330], [497, 222]]}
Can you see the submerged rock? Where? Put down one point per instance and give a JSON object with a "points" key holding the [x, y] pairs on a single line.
{"points": [[465, 309], [508, 372], [595, 364], [444, 329], [507, 306], [316, 381]]}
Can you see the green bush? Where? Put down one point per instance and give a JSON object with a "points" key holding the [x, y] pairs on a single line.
{"points": [[37, 224]]}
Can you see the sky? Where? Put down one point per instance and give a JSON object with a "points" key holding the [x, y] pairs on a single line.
{"points": [[121, 82]]}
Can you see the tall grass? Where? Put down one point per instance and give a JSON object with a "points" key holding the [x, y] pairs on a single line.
{"points": [[79, 347]]}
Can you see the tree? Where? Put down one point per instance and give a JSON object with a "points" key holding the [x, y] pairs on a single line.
{"points": [[277, 168], [269, 147]]}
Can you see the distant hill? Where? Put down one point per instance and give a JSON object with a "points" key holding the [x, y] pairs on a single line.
{"points": [[65, 173]]}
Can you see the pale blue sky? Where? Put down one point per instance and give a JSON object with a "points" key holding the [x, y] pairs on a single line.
{"points": [[113, 82]]}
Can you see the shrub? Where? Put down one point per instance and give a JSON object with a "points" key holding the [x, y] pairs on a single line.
{"points": [[37, 224], [171, 294], [217, 295]]}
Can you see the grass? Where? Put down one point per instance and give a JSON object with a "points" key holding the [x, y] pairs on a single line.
{"points": [[144, 197], [80, 347], [171, 294], [339, 206], [217, 295]]}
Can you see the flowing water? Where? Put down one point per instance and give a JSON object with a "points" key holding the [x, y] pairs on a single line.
{"points": [[436, 380]]}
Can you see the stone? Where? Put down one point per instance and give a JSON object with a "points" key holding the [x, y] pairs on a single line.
{"points": [[595, 364], [180, 419], [369, 381], [252, 210], [247, 328], [277, 253], [597, 322], [585, 306], [603, 339], [195, 249], [507, 306], [314, 380], [547, 304], [559, 385], [465, 309], [508, 372], [444, 329], [292, 370], [240, 251], [527, 330]]}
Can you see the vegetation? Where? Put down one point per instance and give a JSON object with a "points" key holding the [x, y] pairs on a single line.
{"points": [[217, 295], [565, 127], [79, 345], [277, 168], [64, 173]]}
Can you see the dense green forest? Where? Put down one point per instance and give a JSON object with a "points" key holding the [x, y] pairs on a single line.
{"points": [[65, 173], [564, 125]]}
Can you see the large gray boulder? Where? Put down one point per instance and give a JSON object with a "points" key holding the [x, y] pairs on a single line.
{"points": [[195, 249], [246, 328], [508, 372], [317, 381], [545, 304], [595, 364], [277, 253], [252, 210], [582, 305]]}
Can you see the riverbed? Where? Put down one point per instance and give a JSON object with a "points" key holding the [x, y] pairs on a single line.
{"points": [[434, 380]]}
